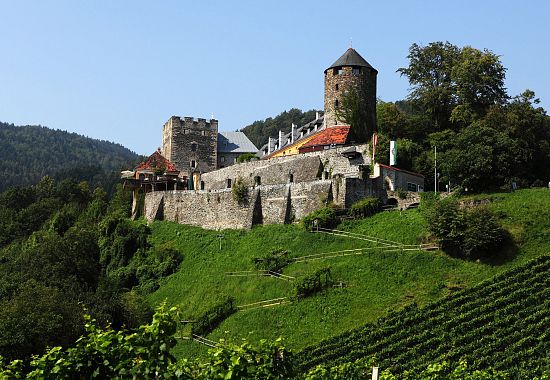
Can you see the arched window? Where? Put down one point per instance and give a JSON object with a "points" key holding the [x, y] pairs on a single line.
{"points": [[193, 147]]}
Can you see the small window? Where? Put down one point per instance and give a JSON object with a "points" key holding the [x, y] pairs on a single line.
{"points": [[193, 164], [356, 70], [336, 86], [257, 180], [193, 147], [203, 133], [336, 103], [235, 160], [411, 186], [229, 183], [222, 159], [186, 131], [291, 178], [202, 185]]}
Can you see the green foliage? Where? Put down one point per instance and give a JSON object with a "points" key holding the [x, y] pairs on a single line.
{"points": [[353, 112], [323, 218], [471, 233], [30, 152], [267, 360], [365, 208], [239, 191], [358, 370], [454, 84], [259, 131], [274, 261], [214, 316], [108, 354], [499, 324], [246, 157], [315, 282]]}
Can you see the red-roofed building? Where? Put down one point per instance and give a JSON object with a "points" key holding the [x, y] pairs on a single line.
{"points": [[327, 138], [158, 164]]}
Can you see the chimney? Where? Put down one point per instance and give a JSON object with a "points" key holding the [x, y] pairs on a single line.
{"points": [[316, 115], [292, 133], [280, 139], [269, 145]]}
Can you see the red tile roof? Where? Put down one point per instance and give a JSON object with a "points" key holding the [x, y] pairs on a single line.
{"points": [[157, 161], [336, 135]]}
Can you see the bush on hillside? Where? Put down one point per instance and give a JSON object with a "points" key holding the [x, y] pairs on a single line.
{"points": [[274, 261], [365, 208], [214, 316], [325, 217], [315, 282], [470, 233]]}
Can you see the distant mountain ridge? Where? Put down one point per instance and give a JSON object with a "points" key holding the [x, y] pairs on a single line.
{"points": [[27, 153]]}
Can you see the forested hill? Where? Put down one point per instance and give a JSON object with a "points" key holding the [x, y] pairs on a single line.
{"points": [[260, 130], [28, 153]]}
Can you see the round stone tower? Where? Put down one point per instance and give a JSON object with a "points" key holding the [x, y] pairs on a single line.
{"points": [[351, 72]]}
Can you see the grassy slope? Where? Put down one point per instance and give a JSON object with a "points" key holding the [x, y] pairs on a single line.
{"points": [[376, 282]]}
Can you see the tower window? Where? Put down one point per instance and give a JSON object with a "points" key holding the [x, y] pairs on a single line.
{"points": [[336, 103], [356, 70], [193, 164], [336, 86], [193, 147], [222, 159]]}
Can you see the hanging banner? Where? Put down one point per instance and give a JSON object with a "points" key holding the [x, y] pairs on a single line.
{"points": [[393, 153]]}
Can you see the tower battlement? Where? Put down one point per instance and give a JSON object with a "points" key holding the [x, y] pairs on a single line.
{"points": [[191, 144]]}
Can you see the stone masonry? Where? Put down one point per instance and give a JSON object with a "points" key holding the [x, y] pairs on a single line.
{"points": [[190, 144]]}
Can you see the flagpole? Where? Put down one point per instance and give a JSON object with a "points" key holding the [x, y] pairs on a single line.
{"points": [[435, 170]]}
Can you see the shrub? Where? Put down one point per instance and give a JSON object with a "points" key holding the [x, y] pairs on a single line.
{"points": [[401, 194], [274, 261], [326, 218], [246, 157], [313, 283], [214, 316], [239, 191], [364, 208], [470, 233]]}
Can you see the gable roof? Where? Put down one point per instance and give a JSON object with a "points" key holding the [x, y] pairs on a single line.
{"points": [[351, 58], [235, 142], [336, 135], [156, 161]]}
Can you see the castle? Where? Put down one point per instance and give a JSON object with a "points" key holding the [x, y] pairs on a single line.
{"points": [[324, 161]]}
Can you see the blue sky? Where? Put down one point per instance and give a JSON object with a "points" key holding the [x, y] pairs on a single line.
{"points": [[117, 70]]}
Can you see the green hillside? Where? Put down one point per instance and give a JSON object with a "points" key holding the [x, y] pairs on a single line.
{"points": [[30, 152], [375, 282], [501, 324]]}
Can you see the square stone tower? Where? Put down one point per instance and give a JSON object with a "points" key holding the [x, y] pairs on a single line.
{"points": [[191, 144]]}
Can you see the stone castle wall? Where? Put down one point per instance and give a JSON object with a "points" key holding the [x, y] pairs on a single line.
{"points": [[289, 188], [270, 204], [301, 168], [190, 141]]}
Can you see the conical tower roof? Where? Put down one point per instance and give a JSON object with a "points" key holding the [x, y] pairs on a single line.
{"points": [[351, 58]]}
